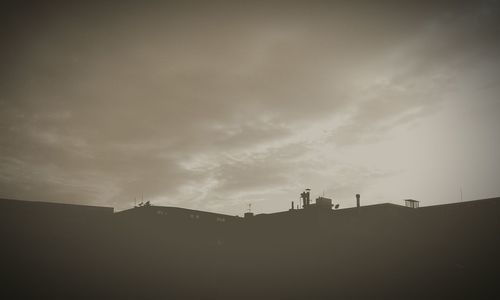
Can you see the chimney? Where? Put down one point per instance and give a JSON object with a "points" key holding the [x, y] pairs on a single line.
{"points": [[358, 203], [305, 196]]}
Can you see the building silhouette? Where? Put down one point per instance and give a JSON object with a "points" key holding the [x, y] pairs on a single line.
{"points": [[311, 251]]}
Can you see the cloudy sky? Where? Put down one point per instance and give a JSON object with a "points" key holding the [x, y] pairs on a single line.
{"points": [[215, 106]]}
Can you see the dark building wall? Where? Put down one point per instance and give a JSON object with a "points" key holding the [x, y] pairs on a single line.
{"points": [[381, 251], [176, 214], [52, 250], [11, 209]]}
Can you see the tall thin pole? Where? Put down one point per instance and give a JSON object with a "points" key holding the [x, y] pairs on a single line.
{"points": [[461, 195]]}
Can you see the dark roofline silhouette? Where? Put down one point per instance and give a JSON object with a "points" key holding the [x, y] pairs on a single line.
{"points": [[379, 251], [48, 203], [177, 208]]}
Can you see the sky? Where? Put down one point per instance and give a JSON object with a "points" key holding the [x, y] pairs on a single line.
{"points": [[215, 105]]}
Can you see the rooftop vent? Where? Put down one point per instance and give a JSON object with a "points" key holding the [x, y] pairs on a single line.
{"points": [[411, 203]]}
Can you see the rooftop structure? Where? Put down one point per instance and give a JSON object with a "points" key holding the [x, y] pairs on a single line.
{"points": [[411, 203]]}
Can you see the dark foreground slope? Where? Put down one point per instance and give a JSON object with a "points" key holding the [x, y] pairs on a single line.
{"points": [[374, 252]]}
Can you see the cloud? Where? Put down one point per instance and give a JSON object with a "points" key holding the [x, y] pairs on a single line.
{"points": [[213, 105]]}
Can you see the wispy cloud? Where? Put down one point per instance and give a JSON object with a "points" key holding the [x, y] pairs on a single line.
{"points": [[214, 106]]}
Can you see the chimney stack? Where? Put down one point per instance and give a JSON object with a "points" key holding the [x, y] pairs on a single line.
{"points": [[305, 196], [358, 203]]}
